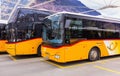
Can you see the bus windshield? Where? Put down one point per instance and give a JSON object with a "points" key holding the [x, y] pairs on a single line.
{"points": [[27, 25], [52, 31]]}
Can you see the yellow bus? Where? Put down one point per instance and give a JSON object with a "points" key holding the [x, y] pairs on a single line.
{"points": [[71, 37], [24, 31], [3, 35]]}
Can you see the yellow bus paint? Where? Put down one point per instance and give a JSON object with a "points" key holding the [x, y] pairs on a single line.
{"points": [[27, 47], [2, 45]]}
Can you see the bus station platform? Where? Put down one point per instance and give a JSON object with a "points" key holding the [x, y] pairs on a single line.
{"points": [[37, 66]]}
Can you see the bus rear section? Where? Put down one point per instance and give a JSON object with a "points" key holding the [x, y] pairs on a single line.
{"points": [[2, 45], [79, 37], [24, 33]]}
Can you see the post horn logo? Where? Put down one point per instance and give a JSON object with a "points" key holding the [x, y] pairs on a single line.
{"points": [[112, 46]]}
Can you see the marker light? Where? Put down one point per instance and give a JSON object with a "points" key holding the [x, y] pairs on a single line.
{"points": [[57, 56]]}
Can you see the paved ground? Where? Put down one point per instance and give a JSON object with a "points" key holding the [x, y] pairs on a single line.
{"points": [[37, 66]]}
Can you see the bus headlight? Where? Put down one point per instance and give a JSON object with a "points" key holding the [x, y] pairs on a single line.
{"points": [[57, 56]]}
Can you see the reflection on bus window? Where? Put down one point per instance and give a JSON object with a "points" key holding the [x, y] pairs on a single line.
{"points": [[54, 34], [76, 29], [3, 35], [73, 29], [25, 26]]}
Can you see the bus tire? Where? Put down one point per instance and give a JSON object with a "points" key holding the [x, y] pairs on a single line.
{"points": [[94, 54], [39, 50]]}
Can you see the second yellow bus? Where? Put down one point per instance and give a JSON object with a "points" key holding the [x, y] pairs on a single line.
{"points": [[24, 31]]}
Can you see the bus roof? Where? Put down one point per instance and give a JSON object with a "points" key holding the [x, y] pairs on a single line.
{"points": [[14, 15], [90, 17], [3, 22]]}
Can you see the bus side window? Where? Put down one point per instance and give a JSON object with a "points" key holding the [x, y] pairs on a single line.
{"points": [[37, 30], [73, 30], [67, 31]]}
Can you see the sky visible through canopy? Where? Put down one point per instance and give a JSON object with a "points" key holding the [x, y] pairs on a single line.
{"points": [[108, 8]]}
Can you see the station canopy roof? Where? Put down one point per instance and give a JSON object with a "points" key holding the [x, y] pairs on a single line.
{"points": [[75, 6], [107, 8]]}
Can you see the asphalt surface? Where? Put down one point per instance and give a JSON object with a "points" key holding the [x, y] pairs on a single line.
{"points": [[37, 66]]}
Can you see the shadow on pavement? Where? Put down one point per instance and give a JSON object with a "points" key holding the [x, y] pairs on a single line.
{"points": [[23, 57], [82, 62], [3, 53]]}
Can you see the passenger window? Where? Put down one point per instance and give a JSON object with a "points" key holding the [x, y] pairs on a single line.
{"points": [[73, 30]]}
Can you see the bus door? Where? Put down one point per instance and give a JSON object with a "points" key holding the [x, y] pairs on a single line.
{"points": [[23, 35], [37, 27]]}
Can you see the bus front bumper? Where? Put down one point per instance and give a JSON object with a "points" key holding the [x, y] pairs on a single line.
{"points": [[53, 54]]}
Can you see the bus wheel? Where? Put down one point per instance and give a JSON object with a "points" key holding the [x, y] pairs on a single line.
{"points": [[94, 54], [39, 50]]}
